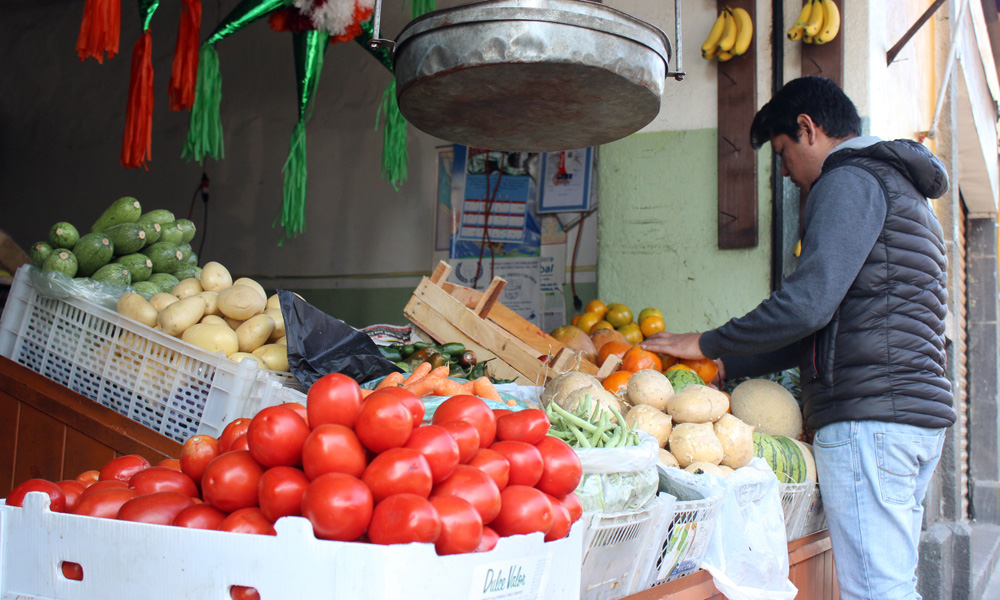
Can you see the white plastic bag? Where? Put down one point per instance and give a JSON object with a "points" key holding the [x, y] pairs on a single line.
{"points": [[748, 554], [618, 479]]}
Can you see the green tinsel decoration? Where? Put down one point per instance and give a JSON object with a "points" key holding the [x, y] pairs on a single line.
{"points": [[204, 136], [394, 154], [293, 209], [421, 7]]}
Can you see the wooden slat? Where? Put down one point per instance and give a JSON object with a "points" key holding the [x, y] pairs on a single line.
{"points": [[441, 272], [9, 411], [490, 297], [827, 60], [40, 440], [84, 453]]}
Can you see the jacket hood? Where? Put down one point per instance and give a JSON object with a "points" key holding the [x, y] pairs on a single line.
{"points": [[910, 158]]}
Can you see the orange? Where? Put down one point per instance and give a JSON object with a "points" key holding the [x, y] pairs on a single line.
{"points": [[587, 321], [601, 325], [618, 314], [679, 366], [598, 307], [706, 368], [617, 348], [631, 332], [668, 361], [651, 324], [575, 320], [617, 382], [648, 312], [637, 359]]}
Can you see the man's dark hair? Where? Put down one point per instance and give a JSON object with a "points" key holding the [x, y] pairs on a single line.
{"points": [[825, 103]]}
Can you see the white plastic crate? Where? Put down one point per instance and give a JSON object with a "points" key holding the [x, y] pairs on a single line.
{"points": [[613, 547], [682, 539], [165, 383], [795, 499], [815, 515], [124, 561]]}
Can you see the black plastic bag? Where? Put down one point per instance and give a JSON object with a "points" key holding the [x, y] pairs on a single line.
{"points": [[319, 344]]}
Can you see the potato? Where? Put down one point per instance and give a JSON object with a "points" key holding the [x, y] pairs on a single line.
{"points": [[215, 277], [737, 441], [279, 323], [275, 356], [600, 399], [700, 467], [234, 324], [693, 442], [214, 320], [212, 302], [649, 386], [667, 459], [180, 315], [212, 337], [697, 404], [136, 307], [272, 302], [241, 302], [187, 287], [254, 285], [162, 300], [239, 356], [650, 420], [254, 332], [282, 341]]}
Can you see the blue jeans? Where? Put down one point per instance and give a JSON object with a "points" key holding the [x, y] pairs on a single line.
{"points": [[873, 476]]}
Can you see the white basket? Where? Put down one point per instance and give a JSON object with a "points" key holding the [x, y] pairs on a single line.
{"points": [[612, 556], [682, 540], [815, 515], [795, 498], [169, 385]]}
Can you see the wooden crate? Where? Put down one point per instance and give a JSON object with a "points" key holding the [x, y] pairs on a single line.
{"points": [[518, 350]]}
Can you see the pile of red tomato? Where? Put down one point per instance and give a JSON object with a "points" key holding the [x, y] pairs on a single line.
{"points": [[360, 469]]}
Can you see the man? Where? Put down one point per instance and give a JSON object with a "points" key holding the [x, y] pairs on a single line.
{"points": [[863, 318]]}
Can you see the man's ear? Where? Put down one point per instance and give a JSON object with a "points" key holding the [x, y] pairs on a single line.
{"points": [[809, 128]]}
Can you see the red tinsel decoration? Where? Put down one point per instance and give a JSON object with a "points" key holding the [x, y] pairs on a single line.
{"points": [[290, 19], [138, 141], [184, 71], [353, 30], [100, 29]]}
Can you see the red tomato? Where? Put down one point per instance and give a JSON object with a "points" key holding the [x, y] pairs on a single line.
{"points": [[73, 491], [230, 481], [383, 422], [88, 477], [57, 498], [159, 508], [334, 398], [493, 464], [489, 541], [72, 571], [162, 479], [461, 525], [466, 407], [438, 447], [232, 431], [196, 453], [412, 402], [199, 516], [248, 520], [333, 448], [398, 471], [339, 507], [572, 503], [242, 442], [170, 463], [499, 412], [529, 425], [124, 467], [275, 437], [465, 435], [299, 409], [242, 592], [561, 470], [474, 486], [404, 519], [523, 510], [103, 485], [525, 462], [280, 492], [104, 503], [560, 520]]}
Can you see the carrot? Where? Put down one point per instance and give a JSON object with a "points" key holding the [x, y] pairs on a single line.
{"points": [[448, 387], [365, 393], [443, 371], [418, 373], [390, 380], [485, 390], [468, 387], [424, 386]]}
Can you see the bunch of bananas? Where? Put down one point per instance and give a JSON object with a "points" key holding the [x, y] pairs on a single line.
{"points": [[730, 35], [818, 23]]}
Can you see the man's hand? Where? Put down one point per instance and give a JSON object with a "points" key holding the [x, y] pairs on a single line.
{"points": [[681, 345]]}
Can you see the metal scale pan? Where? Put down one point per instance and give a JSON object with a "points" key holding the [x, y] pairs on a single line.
{"points": [[530, 75]]}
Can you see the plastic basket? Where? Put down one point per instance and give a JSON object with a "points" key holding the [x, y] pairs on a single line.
{"points": [[815, 515], [169, 385], [795, 499], [612, 550], [683, 539]]}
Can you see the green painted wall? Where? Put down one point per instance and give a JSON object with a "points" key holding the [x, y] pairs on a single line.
{"points": [[657, 243]]}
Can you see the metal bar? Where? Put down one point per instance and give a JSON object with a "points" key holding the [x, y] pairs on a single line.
{"points": [[678, 47], [777, 181], [891, 54]]}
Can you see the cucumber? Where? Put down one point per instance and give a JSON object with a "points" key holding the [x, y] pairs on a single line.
{"points": [[146, 289], [63, 261], [63, 235], [139, 265], [164, 255], [187, 228], [171, 232], [123, 210], [152, 232], [113, 272], [451, 349], [165, 281], [185, 271], [160, 215], [127, 238], [93, 251], [39, 252]]}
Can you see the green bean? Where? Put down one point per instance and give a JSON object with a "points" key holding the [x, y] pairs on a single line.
{"points": [[571, 418]]}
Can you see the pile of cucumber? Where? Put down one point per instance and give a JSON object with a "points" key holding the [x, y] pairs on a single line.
{"points": [[148, 250]]}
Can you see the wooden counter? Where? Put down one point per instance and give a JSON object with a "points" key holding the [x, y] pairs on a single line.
{"points": [[811, 570], [52, 432]]}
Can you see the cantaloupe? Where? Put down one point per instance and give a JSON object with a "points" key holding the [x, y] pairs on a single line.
{"points": [[693, 442], [697, 404], [768, 407], [649, 386], [737, 441]]}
